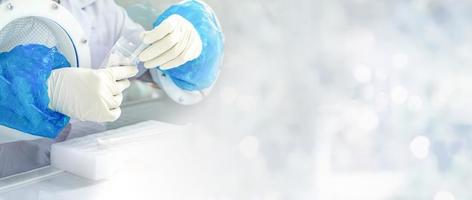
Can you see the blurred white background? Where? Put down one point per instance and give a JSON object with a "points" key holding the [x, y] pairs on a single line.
{"points": [[338, 99]]}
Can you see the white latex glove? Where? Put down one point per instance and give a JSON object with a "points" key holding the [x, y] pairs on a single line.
{"points": [[88, 94], [173, 43]]}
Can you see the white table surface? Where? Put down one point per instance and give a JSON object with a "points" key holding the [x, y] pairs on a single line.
{"points": [[186, 166]]}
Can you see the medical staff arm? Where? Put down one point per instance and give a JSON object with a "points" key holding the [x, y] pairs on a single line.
{"points": [[89, 94], [186, 47], [23, 84], [185, 50]]}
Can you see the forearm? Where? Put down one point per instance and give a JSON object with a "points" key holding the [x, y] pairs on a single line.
{"points": [[186, 68]]}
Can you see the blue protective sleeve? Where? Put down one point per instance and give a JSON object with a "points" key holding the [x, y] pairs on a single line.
{"points": [[202, 72], [23, 90]]}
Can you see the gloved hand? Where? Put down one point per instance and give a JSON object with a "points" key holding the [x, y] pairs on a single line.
{"points": [[173, 43], [88, 94]]}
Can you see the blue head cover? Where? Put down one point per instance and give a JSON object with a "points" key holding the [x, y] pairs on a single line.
{"points": [[23, 90], [200, 73]]}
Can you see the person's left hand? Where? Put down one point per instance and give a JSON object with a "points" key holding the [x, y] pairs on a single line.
{"points": [[173, 43]]}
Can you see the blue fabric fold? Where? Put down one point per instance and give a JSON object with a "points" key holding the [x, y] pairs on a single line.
{"points": [[201, 72], [23, 90]]}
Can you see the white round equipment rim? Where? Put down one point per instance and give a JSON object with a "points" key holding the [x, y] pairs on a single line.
{"points": [[11, 10], [177, 94]]}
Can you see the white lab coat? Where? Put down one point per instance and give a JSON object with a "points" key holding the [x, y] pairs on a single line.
{"points": [[103, 22]]}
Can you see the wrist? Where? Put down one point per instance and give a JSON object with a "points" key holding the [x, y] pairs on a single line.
{"points": [[50, 88]]}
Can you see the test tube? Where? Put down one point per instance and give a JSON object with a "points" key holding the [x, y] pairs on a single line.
{"points": [[125, 51]]}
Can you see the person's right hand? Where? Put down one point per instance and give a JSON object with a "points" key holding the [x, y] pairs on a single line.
{"points": [[88, 94]]}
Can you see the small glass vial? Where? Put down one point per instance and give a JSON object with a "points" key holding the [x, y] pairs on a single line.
{"points": [[125, 51]]}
